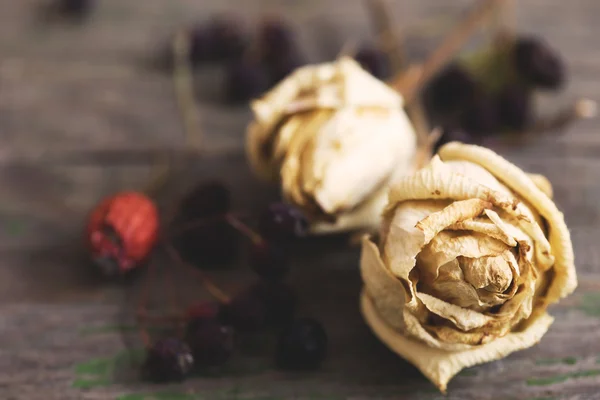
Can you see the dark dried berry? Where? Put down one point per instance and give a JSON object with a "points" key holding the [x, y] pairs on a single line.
{"points": [[481, 118], [451, 91], [302, 345], [280, 300], [538, 63], [282, 221], [269, 261], [260, 305], [211, 241], [200, 46], [453, 135], [514, 105], [214, 244], [244, 81], [375, 61], [206, 199], [276, 39], [74, 8], [211, 342], [226, 38], [246, 312], [168, 360], [281, 67]]}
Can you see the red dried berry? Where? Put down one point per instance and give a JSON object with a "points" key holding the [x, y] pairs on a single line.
{"points": [[122, 231]]}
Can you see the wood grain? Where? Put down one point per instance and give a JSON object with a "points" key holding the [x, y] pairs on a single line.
{"points": [[88, 88]]}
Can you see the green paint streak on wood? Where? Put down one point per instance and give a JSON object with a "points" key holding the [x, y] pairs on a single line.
{"points": [[107, 329], [562, 378], [552, 361], [590, 304], [91, 383], [100, 371]]}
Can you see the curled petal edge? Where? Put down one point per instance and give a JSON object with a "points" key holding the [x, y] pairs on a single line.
{"points": [[439, 366]]}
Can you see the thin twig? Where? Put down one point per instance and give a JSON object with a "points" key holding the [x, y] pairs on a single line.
{"points": [[381, 15], [447, 49], [348, 49], [243, 228], [390, 37], [580, 109]]}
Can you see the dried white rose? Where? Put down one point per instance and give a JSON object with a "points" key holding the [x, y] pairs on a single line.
{"points": [[472, 251], [334, 137]]}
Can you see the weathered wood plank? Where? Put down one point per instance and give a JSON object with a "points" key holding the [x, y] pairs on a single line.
{"points": [[86, 88]]}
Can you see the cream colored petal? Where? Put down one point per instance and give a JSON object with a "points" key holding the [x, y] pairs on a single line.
{"points": [[451, 287], [463, 318], [542, 183], [416, 223], [389, 290], [565, 280], [366, 217], [448, 246], [440, 366], [352, 156], [486, 228], [438, 181], [390, 295]]}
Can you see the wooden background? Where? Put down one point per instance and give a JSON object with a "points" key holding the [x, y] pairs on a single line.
{"points": [[69, 88]]}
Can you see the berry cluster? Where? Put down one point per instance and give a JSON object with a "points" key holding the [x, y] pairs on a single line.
{"points": [[463, 101], [253, 63], [211, 328]]}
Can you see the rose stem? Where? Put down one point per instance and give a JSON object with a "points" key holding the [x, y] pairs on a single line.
{"points": [[210, 286], [504, 25], [580, 109], [445, 51], [348, 49], [390, 38], [381, 17]]}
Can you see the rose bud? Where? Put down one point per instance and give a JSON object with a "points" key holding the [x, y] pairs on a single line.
{"points": [[334, 137]]}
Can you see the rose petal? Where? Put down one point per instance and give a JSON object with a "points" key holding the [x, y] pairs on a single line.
{"points": [[439, 366], [565, 280]]}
